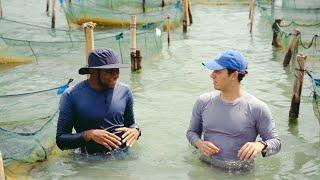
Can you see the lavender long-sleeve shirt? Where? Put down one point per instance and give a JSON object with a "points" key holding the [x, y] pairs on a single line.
{"points": [[230, 125]]}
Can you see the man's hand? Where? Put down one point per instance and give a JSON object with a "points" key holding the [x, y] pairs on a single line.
{"points": [[207, 148], [103, 137], [250, 150], [130, 135]]}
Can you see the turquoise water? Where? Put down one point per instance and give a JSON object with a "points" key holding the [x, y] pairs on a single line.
{"points": [[164, 93]]}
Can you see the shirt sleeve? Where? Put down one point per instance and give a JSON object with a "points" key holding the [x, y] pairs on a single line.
{"points": [[266, 129], [65, 139], [129, 120], [195, 127]]}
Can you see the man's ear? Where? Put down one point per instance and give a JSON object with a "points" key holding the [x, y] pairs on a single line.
{"points": [[234, 75]]}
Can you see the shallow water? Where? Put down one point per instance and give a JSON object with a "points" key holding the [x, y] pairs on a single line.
{"points": [[164, 93]]}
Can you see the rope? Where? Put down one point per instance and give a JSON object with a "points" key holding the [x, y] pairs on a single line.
{"points": [[298, 24], [148, 25], [35, 92], [34, 54], [34, 132], [34, 25], [314, 38]]}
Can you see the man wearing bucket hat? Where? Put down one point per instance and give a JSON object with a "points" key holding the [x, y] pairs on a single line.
{"points": [[100, 109], [225, 124]]}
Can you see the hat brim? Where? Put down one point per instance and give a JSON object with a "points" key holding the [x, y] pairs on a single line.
{"points": [[85, 70], [212, 65]]}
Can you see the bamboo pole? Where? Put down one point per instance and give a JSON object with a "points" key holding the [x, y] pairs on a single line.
{"points": [[144, 6], [189, 12], [297, 87], [292, 46], [185, 15], [168, 29], [133, 40], [2, 176], [276, 29], [88, 32], [53, 18], [133, 29]]}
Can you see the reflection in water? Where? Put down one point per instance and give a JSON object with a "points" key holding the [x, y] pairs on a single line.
{"points": [[117, 154], [293, 127], [229, 166]]}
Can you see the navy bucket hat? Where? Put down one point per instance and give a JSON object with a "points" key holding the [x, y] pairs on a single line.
{"points": [[229, 59], [102, 59]]}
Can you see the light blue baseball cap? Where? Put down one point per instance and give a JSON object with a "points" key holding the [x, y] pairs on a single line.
{"points": [[229, 59]]}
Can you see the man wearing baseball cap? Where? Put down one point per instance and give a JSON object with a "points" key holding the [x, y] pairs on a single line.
{"points": [[225, 124], [100, 109]]}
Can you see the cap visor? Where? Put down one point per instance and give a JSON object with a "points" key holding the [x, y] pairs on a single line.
{"points": [[212, 65], [85, 70], [111, 66]]}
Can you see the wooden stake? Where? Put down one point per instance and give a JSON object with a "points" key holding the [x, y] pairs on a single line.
{"points": [[138, 59], [162, 3], [297, 87], [47, 7], [168, 28], [144, 6], [133, 61], [189, 12], [88, 32], [0, 9], [53, 18], [292, 46], [250, 9], [276, 29], [251, 14], [2, 176], [185, 15]]}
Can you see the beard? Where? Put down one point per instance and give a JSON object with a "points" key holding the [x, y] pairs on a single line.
{"points": [[106, 85]]}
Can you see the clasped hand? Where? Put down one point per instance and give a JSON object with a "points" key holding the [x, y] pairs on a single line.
{"points": [[110, 140]]}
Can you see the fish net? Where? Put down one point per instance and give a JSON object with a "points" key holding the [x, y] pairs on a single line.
{"points": [[304, 16]]}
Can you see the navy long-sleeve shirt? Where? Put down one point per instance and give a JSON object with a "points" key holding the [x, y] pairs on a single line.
{"points": [[83, 108]]}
